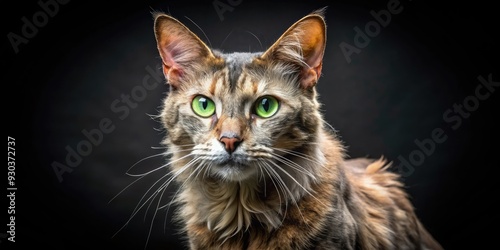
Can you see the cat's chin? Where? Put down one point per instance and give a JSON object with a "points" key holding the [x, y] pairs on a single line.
{"points": [[232, 171]]}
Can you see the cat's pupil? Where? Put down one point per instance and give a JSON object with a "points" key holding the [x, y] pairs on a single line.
{"points": [[265, 104], [204, 103]]}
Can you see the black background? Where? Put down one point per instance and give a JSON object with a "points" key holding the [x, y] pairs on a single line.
{"points": [[65, 79]]}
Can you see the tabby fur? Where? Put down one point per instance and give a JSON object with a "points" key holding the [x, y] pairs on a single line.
{"points": [[287, 184]]}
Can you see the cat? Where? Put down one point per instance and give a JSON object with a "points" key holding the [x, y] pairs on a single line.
{"points": [[256, 163]]}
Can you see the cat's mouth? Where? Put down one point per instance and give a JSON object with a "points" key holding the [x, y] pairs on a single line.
{"points": [[234, 164], [233, 169]]}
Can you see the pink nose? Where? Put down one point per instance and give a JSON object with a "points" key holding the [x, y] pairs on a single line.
{"points": [[230, 143]]}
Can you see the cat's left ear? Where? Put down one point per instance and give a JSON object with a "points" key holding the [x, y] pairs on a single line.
{"points": [[303, 45]]}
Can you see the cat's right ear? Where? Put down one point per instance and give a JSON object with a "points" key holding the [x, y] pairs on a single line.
{"points": [[180, 49]]}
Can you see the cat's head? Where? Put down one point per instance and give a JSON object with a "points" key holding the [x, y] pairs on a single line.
{"points": [[235, 115]]}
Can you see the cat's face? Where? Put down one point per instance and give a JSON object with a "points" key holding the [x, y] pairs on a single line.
{"points": [[236, 115]]}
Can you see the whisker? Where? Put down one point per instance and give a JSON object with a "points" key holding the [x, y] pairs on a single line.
{"points": [[143, 159], [279, 180], [284, 189], [154, 216], [162, 166], [293, 165], [172, 178], [262, 177], [270, 177], [302, 142], [299, 154], [132, 183], [198, 169], [223, 41], [297, 182], [335, 131], [151, 202], [258, 40], [166, 147], [206, 173], [139, 207], [208, 40], [167, 206], [292, 197], [141, 176]]}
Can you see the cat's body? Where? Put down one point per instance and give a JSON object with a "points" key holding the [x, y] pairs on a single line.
{"points": [[257, 166]]}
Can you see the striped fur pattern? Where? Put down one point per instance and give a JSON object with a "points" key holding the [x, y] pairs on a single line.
{"points": [[284, 183]]}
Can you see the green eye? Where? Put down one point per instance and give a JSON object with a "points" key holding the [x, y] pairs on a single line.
{"points": [[203, 106], [266, 106]]}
